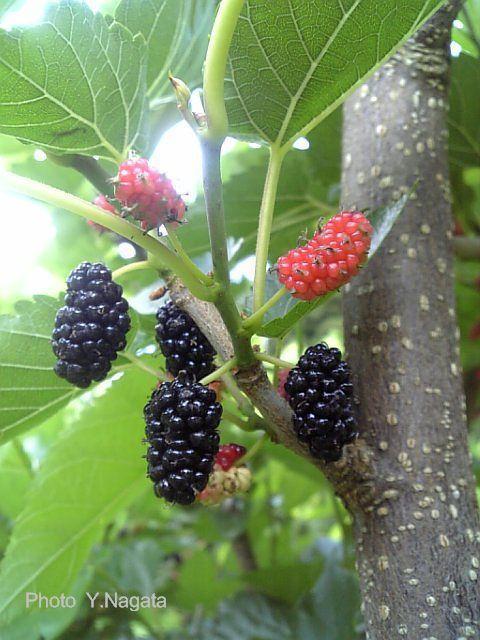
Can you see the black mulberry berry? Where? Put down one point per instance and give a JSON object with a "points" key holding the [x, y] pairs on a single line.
{"points": [[181, 429], [91, 327], [321, 396], [183, 344]]}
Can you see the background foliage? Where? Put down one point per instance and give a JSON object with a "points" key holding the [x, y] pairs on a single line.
{"points": [[76, 512]]}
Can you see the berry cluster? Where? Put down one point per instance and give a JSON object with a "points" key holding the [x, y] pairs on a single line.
{"points": [[181, 429], [92, 326], [330, 259], [321, 396], [227, 479], [182, 343], [147, 194]]}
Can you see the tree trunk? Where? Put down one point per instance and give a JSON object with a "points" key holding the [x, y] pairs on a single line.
{"points": [[418, 543]]}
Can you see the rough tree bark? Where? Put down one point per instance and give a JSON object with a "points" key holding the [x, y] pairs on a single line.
{"points": [[418, 549]]}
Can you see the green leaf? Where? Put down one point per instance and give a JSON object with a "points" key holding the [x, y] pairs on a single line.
{"points": [[200, 584], [30, 391], [176, 32], [131, 567], [73, 83], [382, 220], [249, 617], [14, 474], [469, 35], [464, 115], [292, 62], [286, 582], [329, 612], [47, 624], [94, 470]]}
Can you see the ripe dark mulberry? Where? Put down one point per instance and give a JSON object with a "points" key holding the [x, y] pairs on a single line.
{"points": [[92, 326], [182, 343], [321, 396], [181, 429]]}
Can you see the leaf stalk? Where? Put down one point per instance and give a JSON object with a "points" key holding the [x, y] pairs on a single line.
{"points": [[265, 225]]}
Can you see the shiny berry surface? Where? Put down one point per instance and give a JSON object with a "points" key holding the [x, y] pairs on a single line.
{"points": [[91, 327], [330, 259], [321, 396], [181, 420], [182, 343]]}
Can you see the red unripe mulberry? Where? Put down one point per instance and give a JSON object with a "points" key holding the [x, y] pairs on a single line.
{"points": [[147, 194], [330, 259]]}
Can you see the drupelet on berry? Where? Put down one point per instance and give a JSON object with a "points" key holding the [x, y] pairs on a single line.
{"points": [[321, 396], [147, 194], [92, 326], [181, 429], [330, 259], [182, 343]]}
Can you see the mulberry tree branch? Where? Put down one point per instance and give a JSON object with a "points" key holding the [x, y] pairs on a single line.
{"points": [[352, 477]]}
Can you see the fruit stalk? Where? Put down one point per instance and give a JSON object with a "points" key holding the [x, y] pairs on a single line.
{"points": [[255, 320], [141, 265]]}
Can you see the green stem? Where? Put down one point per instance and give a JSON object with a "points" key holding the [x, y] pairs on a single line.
{"points": [[265, 224], [242, 401], [254, 449], [277, 362], [177, 245], [141, 365], [212, 180], [63, 200], [231, 417], [216, 67], [224, 301], [255, 320], [24, 458], [278, 353], [132, 266], [218, 373]]}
